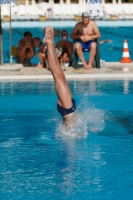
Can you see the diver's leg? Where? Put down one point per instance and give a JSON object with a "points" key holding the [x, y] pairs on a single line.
{"points": [[62, 89]]}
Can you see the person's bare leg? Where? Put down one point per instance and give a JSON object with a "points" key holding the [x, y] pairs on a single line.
{"points": [[92, 53], [28, 56], [62, 89], [42, 58], [29, 63], [22, 60], [80, 54]]}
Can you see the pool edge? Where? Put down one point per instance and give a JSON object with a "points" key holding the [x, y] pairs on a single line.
{"points": [[68, 77]]}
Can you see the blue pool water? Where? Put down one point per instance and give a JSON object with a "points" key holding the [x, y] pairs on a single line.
{"points": [[109, 52], [38, 160]]}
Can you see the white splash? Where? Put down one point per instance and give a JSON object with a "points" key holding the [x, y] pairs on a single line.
{"points": [[89, 120]]}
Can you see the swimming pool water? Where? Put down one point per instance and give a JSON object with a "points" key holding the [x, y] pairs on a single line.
{"points": [[38, 162], [108, 52]]}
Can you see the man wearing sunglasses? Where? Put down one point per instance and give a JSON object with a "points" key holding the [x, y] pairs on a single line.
{"points": [[85, 33]]}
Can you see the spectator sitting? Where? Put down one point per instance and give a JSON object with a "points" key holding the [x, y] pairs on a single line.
{"points": [[41, 52], [86, 32], [67, 49], [25, 48]]}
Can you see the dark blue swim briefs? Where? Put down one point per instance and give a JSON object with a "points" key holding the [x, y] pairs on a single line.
{"points": [[66, 111], [86, 45]]}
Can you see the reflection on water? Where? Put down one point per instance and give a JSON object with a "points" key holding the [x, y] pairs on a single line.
{"points": [[79, 87], [26, 87], [126, 86]]}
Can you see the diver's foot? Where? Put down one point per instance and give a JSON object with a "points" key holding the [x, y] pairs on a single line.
{"points": [[49, 35]]}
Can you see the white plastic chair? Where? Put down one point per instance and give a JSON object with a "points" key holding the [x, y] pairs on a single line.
{"points": [[74, 9], [56, 11], [68, 12], [21, 10], [43, 7], [5, 11]]}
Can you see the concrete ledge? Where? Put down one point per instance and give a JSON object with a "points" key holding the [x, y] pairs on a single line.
{"points": [[112, 70], [11, 67], [68, 77]]}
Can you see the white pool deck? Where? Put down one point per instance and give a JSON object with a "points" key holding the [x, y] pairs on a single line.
{"points": [[112, 70], [65, 23]]}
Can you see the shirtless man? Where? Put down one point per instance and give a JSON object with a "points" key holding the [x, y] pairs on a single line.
{"points": [[86, 32], [25, 48], [66, 105]]}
